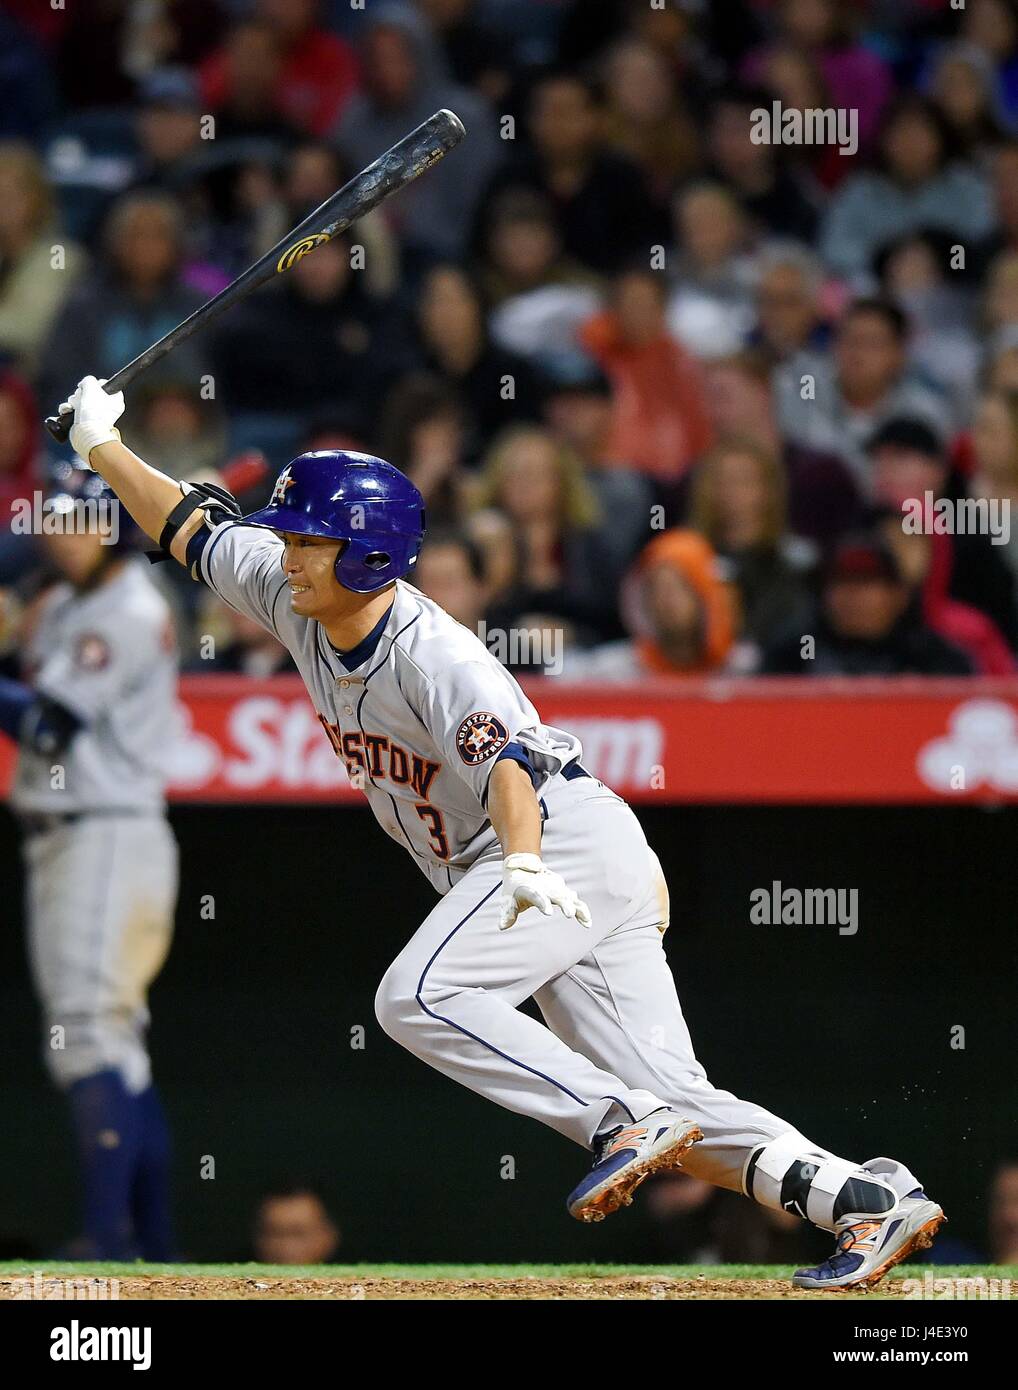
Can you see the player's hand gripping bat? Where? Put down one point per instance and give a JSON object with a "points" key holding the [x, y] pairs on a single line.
{"points": [[390, 172]]}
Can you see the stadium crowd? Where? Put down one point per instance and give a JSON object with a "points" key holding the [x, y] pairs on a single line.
{"points": [[666, 387]]}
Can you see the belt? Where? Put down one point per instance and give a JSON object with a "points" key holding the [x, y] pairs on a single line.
{"points": [[40, 822], [573, 770]]}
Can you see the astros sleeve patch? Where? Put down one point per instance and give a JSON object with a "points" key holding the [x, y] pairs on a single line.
{"points": [[480, 737]]}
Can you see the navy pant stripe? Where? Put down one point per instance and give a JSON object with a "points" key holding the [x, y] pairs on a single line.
{"points": [[466, 1031]]}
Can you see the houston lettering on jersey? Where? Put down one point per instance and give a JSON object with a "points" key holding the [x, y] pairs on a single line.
{"points": [[380, 756]]}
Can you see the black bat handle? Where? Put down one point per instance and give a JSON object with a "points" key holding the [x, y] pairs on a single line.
{"points": [[59, 426]]}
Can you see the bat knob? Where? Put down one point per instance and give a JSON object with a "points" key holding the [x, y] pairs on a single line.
{"points": [[59, 426]]}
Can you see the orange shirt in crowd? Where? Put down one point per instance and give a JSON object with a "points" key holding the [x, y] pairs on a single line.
{"points": [[696, 561], [660, 423]]}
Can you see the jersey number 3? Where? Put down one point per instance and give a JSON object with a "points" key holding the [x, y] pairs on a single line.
{"points": [[436, 828]]}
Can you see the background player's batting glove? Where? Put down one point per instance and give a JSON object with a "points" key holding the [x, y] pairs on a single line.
{"points": [[527, 883], [95, 415]]}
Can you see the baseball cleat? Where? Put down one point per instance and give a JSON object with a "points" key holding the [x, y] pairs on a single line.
{"points": [[627, 1154], [868, 1246]]}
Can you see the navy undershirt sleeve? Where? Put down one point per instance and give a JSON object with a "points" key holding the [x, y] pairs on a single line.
{"points": [[519, 754]]}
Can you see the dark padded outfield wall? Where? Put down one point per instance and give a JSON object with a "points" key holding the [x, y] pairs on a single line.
{"points": [[257, 1047]]}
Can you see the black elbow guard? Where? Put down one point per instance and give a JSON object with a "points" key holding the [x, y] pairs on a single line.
{"points": [[217, 504]]}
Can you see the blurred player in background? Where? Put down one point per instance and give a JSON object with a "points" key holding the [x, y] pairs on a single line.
{"points": [[92, 716]]}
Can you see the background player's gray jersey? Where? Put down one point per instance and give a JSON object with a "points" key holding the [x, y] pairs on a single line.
{"points": [[419, 721], [109, 656]]}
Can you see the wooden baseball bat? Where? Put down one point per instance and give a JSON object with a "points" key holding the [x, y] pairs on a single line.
{"points": [[390, 172]]}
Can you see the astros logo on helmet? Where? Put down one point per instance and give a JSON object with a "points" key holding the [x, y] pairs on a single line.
{"points": [[283, 483]]}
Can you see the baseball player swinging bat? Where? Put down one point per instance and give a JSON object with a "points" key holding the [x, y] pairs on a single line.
{"points": [[547, 886], [391, 171]]}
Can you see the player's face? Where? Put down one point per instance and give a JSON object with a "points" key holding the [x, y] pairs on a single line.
{"points": [[76, 554], [309, 564]]}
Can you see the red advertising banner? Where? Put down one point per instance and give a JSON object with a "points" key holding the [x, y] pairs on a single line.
{"points": [[765, 740]]}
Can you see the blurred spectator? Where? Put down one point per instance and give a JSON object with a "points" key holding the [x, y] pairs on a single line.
{"points": [[20, 471], [1003, 1218], [561, 567], [180, 32], [495, 387], [404, 83], [855, 76], [1000, 300], [679, 609], [793, 77], [787, 301], [910, 469], [1003, 235], [242, 646], [660, 416], [577, 405], [823, 499], [711, 308], [90, 52], [317, 74], [916, 273], [250, 72], [524, 248], [450, 570], [30, 95], [167, 127], [865, 624], [1002, 360], [38, 266], [175, 430], [292, 1226], [475, 53], [222, 185], [769, 190], [835, 404], [422, 433], [316, 338], [917, 183], [605, 214], [540, 296], [646, 119], [136, 296], [963, 88], [995, 463], [991, 26], [739, 505]]}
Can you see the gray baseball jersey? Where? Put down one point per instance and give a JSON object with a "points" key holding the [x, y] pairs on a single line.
{"points": [[419, 712], [109, 656]]}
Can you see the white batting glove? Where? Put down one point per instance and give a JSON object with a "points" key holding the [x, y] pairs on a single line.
{"points": [[526, 882], [95, 415]]}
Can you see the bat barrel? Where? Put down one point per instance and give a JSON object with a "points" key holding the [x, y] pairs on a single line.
{"points": [[391, 171]]}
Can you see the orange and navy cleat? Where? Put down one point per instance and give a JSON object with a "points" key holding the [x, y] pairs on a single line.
{"points": [[868, 1246], [627, 1154]]}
